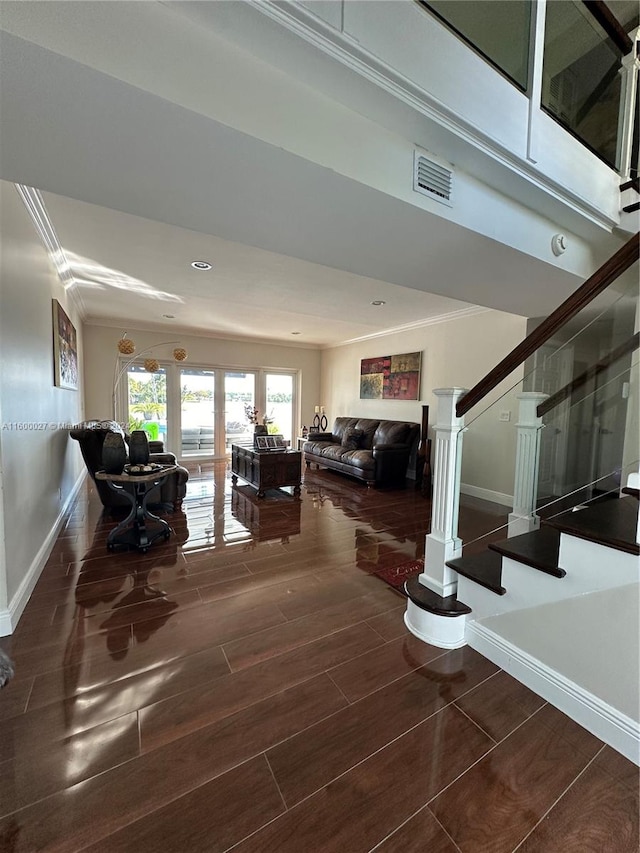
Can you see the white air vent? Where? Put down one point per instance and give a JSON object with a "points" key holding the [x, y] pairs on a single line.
{"points": [[432, 178]]}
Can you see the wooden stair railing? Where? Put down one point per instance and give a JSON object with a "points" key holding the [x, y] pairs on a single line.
{"points": [[590, 373], [618, 263], [610, 24]]}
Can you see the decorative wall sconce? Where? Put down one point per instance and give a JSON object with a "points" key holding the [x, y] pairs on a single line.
{"points": [[319, 419]]}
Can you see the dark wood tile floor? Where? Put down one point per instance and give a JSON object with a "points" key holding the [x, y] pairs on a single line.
{"points": [[250, 686]]}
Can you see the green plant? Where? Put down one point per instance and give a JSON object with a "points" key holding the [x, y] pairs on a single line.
{"points": [[134, 423]]}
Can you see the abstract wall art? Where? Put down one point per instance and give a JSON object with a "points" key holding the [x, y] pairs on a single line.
{"points": [[391, 377]]}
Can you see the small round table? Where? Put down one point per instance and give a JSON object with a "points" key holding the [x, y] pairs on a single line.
{"points": [[132, 532]]}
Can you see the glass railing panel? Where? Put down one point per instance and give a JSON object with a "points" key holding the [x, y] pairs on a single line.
{"points": [[589, 441], [581, 86], [497, 29], [516, 458]]}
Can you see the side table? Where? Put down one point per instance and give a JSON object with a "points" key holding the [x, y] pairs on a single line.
{"points": [[132, 532]]}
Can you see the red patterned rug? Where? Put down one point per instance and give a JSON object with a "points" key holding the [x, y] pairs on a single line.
{"points": [[395, 576]]}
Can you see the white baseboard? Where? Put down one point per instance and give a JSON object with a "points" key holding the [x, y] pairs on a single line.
{"points": [[10, 618], [486, 494], [594, 714], [5, 623]]}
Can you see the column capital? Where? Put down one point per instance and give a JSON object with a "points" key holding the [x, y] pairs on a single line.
{"points": [[447, 399]]}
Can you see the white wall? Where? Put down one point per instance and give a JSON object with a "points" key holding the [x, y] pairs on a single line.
{"points": [[458, 353], [100, 356], [39, 465]]}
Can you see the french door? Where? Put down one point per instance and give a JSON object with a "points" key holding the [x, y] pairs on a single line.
{"points": [[200, 411]]}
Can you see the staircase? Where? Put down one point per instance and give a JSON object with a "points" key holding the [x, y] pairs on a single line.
{"points": [[530, 604], [556, 603]]}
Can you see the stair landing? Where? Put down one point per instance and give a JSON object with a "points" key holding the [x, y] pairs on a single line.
{"points": [[611, 523]]}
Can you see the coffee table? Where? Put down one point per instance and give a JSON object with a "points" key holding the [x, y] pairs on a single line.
{"points": [[266, 469], [133, 531]]}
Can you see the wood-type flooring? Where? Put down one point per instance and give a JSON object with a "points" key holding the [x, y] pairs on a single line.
{"points": [[250, 686]]}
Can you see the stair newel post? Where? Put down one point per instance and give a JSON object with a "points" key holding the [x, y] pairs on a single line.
{"points": [[442, 543], [524, 519]]}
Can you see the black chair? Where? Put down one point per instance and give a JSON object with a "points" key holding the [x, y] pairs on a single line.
{"points": [[91, 434]]}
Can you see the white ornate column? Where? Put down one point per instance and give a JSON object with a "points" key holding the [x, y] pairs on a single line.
{"points": [[523, 519], [629, 74], [442, 544], [633, 482]]}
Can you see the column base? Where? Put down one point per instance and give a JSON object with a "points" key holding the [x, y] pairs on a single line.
{"points": [[519, 524], [437, 576]]}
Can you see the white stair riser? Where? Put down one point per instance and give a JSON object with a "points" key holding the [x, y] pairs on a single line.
{"points": [[589, 567], [445, 632], [594, 560]]}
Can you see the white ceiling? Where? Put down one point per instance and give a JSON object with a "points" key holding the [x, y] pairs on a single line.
{"points": [[133, 271], [137, 187]]}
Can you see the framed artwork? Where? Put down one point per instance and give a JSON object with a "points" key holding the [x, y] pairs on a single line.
{"points": [[269, 442], [65, 349], [391, 377]]}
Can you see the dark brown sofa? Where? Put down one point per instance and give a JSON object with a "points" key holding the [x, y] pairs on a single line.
{"points": [[91, 434], [381, 456]]}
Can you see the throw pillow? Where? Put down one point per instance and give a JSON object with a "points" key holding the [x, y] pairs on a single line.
{"points": [[352, 438]]}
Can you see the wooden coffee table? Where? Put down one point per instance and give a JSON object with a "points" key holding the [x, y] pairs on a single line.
{"points": [[266, 469]]}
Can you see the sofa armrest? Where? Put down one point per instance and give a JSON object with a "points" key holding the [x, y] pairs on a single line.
{"points": [[156, 446], [390, 448], [163, 458], [391, 462], [322, 436]]}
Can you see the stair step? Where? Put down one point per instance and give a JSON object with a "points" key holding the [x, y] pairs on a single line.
{"points": [[538, 549], [484, 568], [425, 598], [612, 523]]}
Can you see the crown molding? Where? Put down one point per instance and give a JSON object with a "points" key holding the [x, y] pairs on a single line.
{"points": [[418, 324], [196, 333]]}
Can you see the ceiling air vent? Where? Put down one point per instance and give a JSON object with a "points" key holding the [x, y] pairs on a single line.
{"points": [[432, 178]]}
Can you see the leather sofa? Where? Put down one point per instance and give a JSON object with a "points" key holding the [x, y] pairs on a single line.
{"points": [[376, 451], [91, 434]]}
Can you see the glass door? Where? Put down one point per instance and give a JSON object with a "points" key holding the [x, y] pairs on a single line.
{"points": [[279, 397], [147, 401], [197, 412], [239, 393]]}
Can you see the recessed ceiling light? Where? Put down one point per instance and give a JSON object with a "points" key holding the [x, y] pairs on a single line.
{"points": [[169, 316], [201, 265], [379, 302], [296, 333]]}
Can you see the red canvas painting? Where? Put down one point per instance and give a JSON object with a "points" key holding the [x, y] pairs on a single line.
{"points": [[391, 377]]}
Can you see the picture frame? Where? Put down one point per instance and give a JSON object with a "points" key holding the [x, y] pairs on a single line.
{"points": [[260, 442], [391, 377], [65, 349]]}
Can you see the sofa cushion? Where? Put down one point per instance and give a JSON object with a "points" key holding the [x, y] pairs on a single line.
{"points": [[362, 459], [368, 427], [352, 438], [341, 425], [316, 447], [392, 432], [332, 451]]}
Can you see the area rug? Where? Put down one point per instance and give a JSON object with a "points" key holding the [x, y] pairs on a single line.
{"points": [[395, 576]]}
